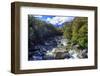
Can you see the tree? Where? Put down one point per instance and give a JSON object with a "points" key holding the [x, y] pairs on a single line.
{"points": [[83, 36], [79, 31], [67, 32], [40, 30]]}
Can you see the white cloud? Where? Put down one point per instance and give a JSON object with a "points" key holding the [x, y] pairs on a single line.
{"points": [[48, 19], [59, 20]]}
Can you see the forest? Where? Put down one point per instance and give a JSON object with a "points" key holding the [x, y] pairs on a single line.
{"points": [[48, 42]]}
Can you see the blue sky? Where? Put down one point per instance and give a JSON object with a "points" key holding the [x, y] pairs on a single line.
{"points": [[55, 20]]}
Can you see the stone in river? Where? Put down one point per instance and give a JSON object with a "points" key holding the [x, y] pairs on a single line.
{"points": [[37, 57]]}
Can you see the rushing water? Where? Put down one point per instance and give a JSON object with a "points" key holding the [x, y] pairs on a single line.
{"points": [[54, 48]]}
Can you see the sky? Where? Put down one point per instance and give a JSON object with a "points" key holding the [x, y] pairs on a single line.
{"points": [[55, 20]]}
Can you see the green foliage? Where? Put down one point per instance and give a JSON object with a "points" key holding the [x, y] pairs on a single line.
{"points": [[67, 32], [77, 32], [39, 30], [83, 36]]}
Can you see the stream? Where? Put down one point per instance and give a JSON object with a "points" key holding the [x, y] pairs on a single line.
{"points": [[55, 48]]}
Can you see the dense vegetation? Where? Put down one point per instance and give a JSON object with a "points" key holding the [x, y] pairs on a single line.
{"points": [[77, 32], [40, 30]]}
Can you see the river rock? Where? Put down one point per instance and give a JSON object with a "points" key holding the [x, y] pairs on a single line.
{"points": [[37, 58]]}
